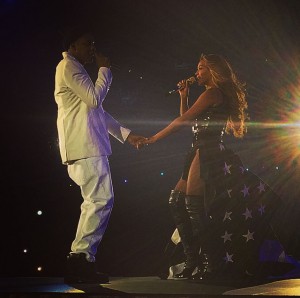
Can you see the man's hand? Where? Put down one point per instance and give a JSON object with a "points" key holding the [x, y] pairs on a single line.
{"points": [[136, 141], [101, 60]]}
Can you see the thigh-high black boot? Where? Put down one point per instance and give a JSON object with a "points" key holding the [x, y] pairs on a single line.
{"points": [[183, 225], [195, 209], [200, 227]]}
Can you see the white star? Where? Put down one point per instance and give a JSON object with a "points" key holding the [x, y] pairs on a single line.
{"points": [[249, 236], [261, 209], [229, 192], [228, 257], [242, 169], [261, 187], [247, 214], [226, 237], [227, 169], [245, 191], [221, 147], [227, 216]]}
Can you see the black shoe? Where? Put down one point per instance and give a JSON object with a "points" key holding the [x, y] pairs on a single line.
{"points": [[185, 274], [80, 270]]}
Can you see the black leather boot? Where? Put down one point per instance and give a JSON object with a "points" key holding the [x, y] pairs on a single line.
{"points": [[205, 270], [186, 273], [183, 225], [196, 211], [80, 270]]}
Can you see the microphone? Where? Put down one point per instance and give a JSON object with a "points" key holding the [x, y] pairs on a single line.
{"points": [[190, 81]]}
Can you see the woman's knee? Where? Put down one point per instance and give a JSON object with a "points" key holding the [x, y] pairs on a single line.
{"points": [[181, 186]]}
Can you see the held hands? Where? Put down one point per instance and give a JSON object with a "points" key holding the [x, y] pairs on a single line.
{"points": [[136, 141], [139, 141], [146, 141]]}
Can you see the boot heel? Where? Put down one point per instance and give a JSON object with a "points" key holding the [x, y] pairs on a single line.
{"points": [[186, 273]]}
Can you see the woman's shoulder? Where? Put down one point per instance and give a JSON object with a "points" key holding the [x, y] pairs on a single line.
{"points": [[214, 95], [214, 91]]}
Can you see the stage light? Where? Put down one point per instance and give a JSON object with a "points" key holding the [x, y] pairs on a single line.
{"points": [[39, 212], [39, 268]]}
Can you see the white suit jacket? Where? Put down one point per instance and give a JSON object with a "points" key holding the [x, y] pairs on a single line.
{"points": [[83, 125]]}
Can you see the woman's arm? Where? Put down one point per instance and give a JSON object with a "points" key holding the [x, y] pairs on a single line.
{"points": [[206, 99], [184, 105], [184, 96]]}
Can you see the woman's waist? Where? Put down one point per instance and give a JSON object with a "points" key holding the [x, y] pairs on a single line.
{"points": [[208, 133], [211, 128]]}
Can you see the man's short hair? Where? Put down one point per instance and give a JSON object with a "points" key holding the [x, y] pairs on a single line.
{"points": [[71, 34]]}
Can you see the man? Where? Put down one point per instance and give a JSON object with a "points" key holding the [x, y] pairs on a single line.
{"points": [[83, 130]]}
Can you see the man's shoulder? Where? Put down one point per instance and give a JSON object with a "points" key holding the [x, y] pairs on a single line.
{"points": [[69, 63]]}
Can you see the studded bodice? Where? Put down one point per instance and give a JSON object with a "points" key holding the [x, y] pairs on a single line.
{"points": [[211, 123]]}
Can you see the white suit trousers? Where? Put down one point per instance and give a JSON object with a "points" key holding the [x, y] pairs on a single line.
{"points": [[94, 178]]}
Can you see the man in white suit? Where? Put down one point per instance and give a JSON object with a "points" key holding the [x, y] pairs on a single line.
{"points": [[83, 130]]}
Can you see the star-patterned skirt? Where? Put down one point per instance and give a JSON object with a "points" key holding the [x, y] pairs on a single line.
{"points": [[240, 208]]}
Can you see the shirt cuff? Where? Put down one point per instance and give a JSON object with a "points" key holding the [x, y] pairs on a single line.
{"points": [[125, 133]]}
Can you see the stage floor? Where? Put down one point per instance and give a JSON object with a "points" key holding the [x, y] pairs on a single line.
{"points": [[144, 287]]}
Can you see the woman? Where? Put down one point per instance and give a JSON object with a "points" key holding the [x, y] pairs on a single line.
{"points": [[216, 205]]}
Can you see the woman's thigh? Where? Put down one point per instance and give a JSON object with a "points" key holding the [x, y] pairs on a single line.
{"points": [[195, 184], [181, 185]]}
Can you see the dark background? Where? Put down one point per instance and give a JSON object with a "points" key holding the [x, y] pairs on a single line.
{"points": [[152, 44]]}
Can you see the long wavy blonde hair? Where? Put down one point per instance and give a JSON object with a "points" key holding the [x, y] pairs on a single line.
{"points": [[234, 92]]}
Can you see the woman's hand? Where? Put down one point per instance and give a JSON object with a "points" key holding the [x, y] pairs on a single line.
{"points": [[183, 88], [146, 141], [151, 140]]}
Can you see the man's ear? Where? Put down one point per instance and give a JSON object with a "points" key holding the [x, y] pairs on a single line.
{"points": [[73, 47]]}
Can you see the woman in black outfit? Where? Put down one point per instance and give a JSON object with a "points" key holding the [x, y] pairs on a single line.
{"points": [[219, 208]]}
